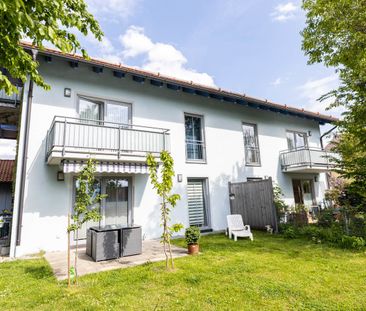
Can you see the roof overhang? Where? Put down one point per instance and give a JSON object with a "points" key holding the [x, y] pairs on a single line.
{"points": [[158, 80]]}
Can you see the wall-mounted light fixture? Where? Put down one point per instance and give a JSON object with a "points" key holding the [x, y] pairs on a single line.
{"points": [[60, 176], [309, 133], [232, 196], [67, 92], [179, 177], [316, 178]]}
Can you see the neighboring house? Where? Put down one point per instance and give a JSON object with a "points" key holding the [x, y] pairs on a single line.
{"points": [[6, 180], [118, 114]]}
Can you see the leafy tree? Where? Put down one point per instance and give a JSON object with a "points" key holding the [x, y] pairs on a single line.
{"points": [[168, 200], [39, 21], [86, 207], [335, 35]]}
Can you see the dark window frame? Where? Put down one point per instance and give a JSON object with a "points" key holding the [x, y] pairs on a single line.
{"points": [[203, 140], [257, 148]]}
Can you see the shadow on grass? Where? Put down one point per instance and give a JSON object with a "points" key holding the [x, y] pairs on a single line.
{"points": [[39, 272]]}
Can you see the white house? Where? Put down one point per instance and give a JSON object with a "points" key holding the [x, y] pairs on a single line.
{"points": [[117, 114]]}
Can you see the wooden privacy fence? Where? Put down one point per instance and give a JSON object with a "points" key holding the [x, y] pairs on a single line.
{"points": [[254, 201]]}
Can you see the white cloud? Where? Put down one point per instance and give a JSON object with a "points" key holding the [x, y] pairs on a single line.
{"points": [[7, 149], [276, 82], [112, 8], [105, 48], [160, 57], [284, 12], [312, 90]]}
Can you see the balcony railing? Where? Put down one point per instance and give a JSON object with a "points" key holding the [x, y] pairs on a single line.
{"points": [[306, 160], [13, 98], [195, 150], [77, 138]]}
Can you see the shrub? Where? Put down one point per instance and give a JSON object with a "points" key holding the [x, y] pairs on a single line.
{"points": [[192, 235], [352, 242], [290, 233], [358, 225], [326, 218]]}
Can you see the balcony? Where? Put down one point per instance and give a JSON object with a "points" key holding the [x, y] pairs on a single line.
{"points": [[11, 100], [79, 139], [306, 160]]}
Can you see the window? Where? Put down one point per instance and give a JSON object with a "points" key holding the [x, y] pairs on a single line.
{"points": [[296, 140], [197, 202], [251, 144], [195, 141], [104, 110]]}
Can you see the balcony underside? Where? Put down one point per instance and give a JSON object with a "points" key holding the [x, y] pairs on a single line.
{"points": [[306, 169]]}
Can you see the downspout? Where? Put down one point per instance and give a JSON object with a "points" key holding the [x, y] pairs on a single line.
{"points": [[22, 162]]}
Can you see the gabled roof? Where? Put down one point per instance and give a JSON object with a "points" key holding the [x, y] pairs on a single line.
{"points": [[190, 87], [6, 170]]}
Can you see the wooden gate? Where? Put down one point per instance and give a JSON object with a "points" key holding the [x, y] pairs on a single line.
{"points": [[254, 201]]}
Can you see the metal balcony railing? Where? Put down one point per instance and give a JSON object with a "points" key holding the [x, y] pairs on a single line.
{"points": [[13, 98], [70, 136], [306, 157], [195, 150]]}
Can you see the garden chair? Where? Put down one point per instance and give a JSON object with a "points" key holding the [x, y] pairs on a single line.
{"points": [[236, 227]]}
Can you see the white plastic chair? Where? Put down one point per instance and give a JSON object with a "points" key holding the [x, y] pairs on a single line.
{"points": [[237, 228]]}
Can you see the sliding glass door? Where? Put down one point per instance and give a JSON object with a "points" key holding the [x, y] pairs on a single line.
{"points": [[115, 208]]}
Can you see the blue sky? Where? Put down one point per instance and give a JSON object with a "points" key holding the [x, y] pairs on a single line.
{"points": [[248, 46]]}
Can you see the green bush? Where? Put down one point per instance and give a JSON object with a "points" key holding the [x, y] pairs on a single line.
{"points": [[192, 235], [326, 218], [352, 242], [358, 225], [290, 233]]}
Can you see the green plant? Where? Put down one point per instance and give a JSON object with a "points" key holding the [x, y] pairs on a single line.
{"points": [[326, 217], [280, 205], [163, 189], [192, 235], [86, 207], [56, 22], [352, 242], [290, 233]]}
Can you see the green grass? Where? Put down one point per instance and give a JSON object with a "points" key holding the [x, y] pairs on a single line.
{"points": [[269, 274]]}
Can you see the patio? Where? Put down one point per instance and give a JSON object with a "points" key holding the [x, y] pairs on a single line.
{"points": [[152, 251]]}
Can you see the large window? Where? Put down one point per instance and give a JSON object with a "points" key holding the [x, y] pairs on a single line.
{"points": [[195, 140], [296, 140], [251, 144], [104, 110]]}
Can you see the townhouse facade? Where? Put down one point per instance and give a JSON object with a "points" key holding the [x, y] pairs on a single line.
{"points": [[117, 114]]}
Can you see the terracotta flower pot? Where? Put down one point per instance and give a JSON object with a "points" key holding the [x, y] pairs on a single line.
{"points": [[193, 249]]}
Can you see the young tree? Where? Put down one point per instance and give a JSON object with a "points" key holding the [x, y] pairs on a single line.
{"points": [[40, 21], [168, 200], [86, 207], [335, 35]]}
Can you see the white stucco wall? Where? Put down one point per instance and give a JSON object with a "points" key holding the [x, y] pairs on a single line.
{"points": [[47, 201]]}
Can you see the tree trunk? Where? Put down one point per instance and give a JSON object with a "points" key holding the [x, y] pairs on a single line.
{"points": [[76, 256], [165, 230]]}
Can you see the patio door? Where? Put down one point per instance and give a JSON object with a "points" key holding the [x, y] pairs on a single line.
{"points": [[303, 192], [198, 213], [115, 207]]}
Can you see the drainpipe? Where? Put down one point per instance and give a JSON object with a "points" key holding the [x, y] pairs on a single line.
{"points": [[22, 164], [325, 134]]}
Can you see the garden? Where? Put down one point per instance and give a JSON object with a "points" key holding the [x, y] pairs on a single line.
{"points": [[271, 273]]}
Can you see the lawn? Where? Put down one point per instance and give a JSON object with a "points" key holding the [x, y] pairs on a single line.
{"points": [[269, 274]]}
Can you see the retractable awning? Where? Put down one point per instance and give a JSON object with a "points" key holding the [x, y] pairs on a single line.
{"points": [[108, 167]]}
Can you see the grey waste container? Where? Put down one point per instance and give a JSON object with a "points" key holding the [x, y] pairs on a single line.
{"points": [[131, 241], [104, 245]]}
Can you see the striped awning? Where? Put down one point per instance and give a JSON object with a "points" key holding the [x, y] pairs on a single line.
{"points": [[108, 167]]}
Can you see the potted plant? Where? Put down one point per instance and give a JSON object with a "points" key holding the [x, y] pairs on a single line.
{"points": [[192, 235]]}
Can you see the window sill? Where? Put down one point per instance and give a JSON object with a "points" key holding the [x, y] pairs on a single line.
{"points": [[253, 164], [196, 161]]}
